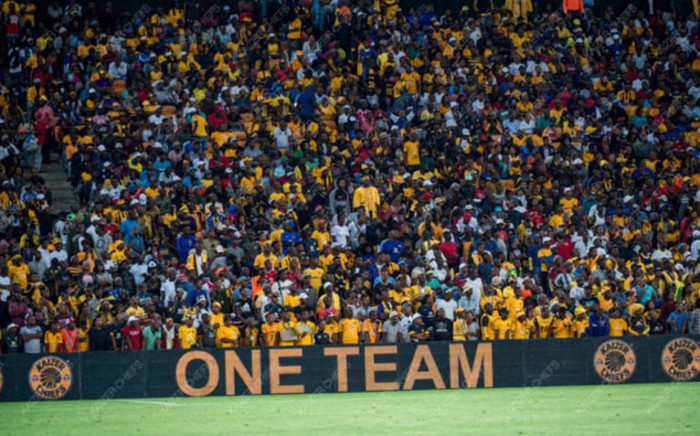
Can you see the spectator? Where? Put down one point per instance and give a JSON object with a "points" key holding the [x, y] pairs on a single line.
{"points": [[485, 177]]}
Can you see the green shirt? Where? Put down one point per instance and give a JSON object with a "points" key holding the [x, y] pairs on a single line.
{"points": [[151, 337]]}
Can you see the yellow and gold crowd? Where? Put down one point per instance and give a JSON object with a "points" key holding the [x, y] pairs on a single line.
{"points": [[266, 173]]}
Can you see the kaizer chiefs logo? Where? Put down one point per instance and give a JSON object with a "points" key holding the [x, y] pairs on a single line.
{"points": [[615, 361], [681, 359], [50, 378]]}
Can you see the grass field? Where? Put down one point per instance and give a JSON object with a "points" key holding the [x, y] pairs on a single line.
{"points": [[602, 409]]}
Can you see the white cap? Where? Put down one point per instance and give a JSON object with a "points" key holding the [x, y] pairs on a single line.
{"points": [[303, 296], [132, 319], [219, 249], [627, 198], [327, 285]]}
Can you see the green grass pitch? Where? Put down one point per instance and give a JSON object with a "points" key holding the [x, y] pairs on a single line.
{"points": [[602, 409]]}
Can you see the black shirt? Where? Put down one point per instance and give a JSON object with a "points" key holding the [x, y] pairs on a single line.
{"points": [[100, 339], [442, 329], [414, 331], [208, 335], [322, 338], [657, 326], [11, 343]]}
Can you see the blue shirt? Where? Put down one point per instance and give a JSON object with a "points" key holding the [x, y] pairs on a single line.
{"points": [[184, 245], [393, 248], [390, 280], [644, 294], [289, 238], [676, 320], [598, 326]]}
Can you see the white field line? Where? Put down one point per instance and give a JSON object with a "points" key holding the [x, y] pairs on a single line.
{"points": [[157, 403]]}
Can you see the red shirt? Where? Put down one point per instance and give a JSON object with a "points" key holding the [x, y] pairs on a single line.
{"points": [[40, 132], [133, 335], [323, 312], [450, 250], [565, 248]]}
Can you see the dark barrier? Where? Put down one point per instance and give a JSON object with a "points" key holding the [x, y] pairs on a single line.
{"points": [[439, 365]]}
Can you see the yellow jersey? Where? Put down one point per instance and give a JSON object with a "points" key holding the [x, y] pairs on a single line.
{"points": [[53, 341], [372, 329], [514, 306], [250, 338], [305, 330], [580, 327], [350, 331], [83, 346], [502, 326], [543, 325], [216, 318], [269, 332], [488, 332], [521, 329], [226, 332], [187, 336], [411, 151], [561, 328], [618, 326]]}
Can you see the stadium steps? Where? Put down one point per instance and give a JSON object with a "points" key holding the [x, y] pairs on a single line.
{"points": [[62, 192]]}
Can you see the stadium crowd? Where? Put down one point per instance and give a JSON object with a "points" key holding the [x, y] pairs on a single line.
{"points": [[315, 171]]}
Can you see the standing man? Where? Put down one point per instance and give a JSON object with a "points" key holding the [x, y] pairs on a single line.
{"points": [[152, 335], [101, 339], [132, 335], [391, 330], [350, 328], [31, 336], [70, 337]]}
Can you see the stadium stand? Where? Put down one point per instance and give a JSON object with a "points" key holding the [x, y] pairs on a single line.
{"points": [[291, 173]]}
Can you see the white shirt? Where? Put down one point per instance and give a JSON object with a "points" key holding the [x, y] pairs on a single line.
{"points": [[477, 286], [139, 271], [168, 290], [448, 306], [282, 137], [406, 321], [577, 293], [695, 249], [340, 235], [659, 254]]}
